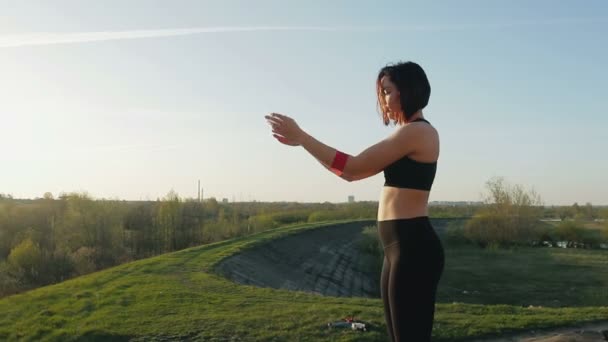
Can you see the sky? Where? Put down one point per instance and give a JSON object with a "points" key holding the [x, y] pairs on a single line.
{"points": [[133, 99]]}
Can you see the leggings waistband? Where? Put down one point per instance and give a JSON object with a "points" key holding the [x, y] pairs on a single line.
{"points": [[405, 230]]}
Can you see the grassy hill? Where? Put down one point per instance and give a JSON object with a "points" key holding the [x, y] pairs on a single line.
{"points": [[178, 296]]}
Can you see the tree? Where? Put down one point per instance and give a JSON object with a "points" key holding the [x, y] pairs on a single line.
{"points": [[140, 230], [578, 212], [212, 208], [570, 231], [8, 283], [168, 218], [603, 213], [83, 260], [589, 213], [26, 261], [510, 214], [564, 212]]}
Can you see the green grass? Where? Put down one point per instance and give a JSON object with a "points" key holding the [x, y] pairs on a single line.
{"points": [[549, 277], [177, 296]]}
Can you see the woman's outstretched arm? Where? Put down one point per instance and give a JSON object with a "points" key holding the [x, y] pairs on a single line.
{"points": [[367, 163], [346, 176]]}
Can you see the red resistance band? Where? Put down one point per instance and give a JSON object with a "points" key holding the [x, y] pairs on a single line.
{"points": [[339, 163]]}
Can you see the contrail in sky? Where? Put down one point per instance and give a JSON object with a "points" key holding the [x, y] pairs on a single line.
{"points": [[52, 38]]}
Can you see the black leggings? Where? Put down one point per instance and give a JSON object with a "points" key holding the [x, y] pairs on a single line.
{"points": [[413, 264]]}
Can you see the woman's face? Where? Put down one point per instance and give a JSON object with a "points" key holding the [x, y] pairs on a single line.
{"points": [[391, 97]]}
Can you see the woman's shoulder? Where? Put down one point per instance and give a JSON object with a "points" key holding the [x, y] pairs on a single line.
{"points": [[420, 136], [418, 128]]}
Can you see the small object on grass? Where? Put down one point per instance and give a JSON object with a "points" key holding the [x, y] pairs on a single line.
{"points": [[339, 324], [358, 326], [348, 322]]}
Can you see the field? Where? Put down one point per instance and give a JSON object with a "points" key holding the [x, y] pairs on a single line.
{"points": [[179, 296]]}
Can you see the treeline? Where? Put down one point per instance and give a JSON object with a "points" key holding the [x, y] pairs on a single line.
{"points": [[586, 212], [573, 234], [499, 233], [453, 211], [46, 240], [512, 215]]}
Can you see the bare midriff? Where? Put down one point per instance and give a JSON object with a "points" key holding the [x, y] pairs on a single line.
{"points": [[400, 203]]}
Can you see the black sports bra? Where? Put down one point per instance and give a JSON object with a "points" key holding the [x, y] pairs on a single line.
{"points": [[408, 173]]}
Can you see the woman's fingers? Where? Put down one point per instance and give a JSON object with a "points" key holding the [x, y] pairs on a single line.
{"points": [[274, 123], [281, 126], [281, 139], [280, 117], [275, 116]]}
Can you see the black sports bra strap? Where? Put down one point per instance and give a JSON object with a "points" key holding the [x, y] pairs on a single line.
{"points": [[421, 119]]}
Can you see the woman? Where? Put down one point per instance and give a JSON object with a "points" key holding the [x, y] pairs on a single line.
{"points": [[413, 254]]}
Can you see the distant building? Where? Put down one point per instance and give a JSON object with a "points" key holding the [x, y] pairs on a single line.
{"points": [[351, 199], [455, 203]]}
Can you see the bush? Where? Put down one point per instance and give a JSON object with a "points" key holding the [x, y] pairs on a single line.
{"points": [[488, 229], [8, 284], [546, 234], [575, 235], [372, 252], [591, 239], [83, 260], [26, 261], [61, 266], [454, 234], [259, 223], [370, 242], [510, 215], [570, 231], [320, 216]]}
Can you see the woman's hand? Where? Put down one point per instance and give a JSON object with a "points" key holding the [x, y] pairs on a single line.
{"points": [[285, 129]]}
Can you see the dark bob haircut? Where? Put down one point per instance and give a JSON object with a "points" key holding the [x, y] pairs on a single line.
{"points": [[413, 86]]}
